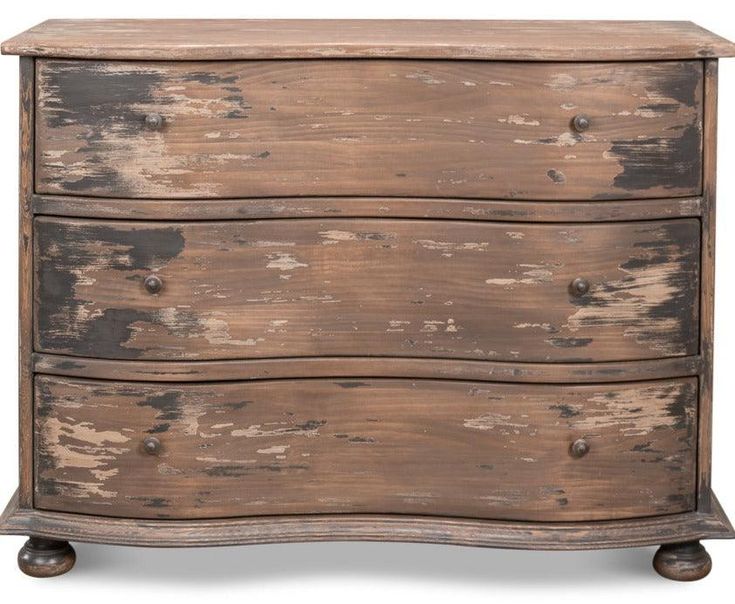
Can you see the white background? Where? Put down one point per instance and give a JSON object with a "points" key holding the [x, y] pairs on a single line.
{"points": [[362, 572]]}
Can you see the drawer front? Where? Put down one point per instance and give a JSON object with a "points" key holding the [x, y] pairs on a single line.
{"points": [[395, 128], [411, 288], [366, 445]]}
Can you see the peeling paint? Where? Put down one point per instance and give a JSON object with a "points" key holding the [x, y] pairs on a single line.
{"points": [[643, 433], [284, 262], [273, 450], [519, 120]]}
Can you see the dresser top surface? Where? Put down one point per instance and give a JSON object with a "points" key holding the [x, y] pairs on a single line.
{"points": [[218, 39]]}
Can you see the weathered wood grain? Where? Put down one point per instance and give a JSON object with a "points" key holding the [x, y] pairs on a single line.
{"points": [[290, 367], [687, 561], [707, 293], [216, 39], [636, 532], [442, 289], [391, 128], [365, 316], [25, 279], [365, 329], [359, 207], [373, 446]]}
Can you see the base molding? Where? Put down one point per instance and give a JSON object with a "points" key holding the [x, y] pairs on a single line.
{"points": [[675, 528]]}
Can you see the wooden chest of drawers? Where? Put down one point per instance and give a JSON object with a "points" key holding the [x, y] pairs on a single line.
{"points": [[447, 282]]}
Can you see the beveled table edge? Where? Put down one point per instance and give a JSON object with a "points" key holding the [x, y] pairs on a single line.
{"points": [[241, 39], [636, 532]]}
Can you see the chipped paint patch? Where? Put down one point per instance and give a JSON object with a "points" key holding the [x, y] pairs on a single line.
{"points": [[425, 77], [397, 325], [335, 236], [638, 412], [565, 139], [216, 331], [284, 262], [309, 428], [454, 246], [536, 275], [562, 81], [651, 300], [492, 421], [543, 326], [275, 449], [519, 120]]}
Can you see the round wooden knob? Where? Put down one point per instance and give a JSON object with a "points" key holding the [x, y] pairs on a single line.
{"points": [[579, 448], [581, 123], [579, 287], [152, 445], [154, 121], [153, 284]]}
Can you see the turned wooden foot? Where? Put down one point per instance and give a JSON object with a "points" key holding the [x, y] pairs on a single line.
{"points": [[46, 557], [682, 561]]}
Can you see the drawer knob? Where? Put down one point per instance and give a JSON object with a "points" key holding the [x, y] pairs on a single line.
{"points": [[153, 284], [152, 445], [154, 121], [579, 448], [581, 123], [579, 287]]}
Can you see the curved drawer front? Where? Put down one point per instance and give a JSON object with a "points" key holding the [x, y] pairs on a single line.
{"points": [[527, 452], [413, 288], [395, 128]]}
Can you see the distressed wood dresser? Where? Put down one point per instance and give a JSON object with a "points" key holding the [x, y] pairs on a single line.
{"points": [[367, 280]]}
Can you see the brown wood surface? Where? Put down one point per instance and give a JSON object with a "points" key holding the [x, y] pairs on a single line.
{"points": [[688, 561], [636, 532], [263, 39], [25, 280], [404, 213], [359, 207], [290, 367], [373, 446], [367, 127], [707, 328], [442, 289]]}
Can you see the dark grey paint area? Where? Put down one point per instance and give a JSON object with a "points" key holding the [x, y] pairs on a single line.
{"points": [[62, 248], [659, 161]]}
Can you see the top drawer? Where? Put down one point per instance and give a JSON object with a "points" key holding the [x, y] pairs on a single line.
{"points": [[369, 127]]}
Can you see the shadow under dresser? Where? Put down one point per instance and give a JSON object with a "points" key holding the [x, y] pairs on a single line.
{"points": [[446, 281]]}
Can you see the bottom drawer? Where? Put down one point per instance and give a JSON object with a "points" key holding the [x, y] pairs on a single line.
{"points": [[482, 450]]}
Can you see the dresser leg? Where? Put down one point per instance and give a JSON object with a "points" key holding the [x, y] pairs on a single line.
{"points": [[682, 561], [46, 557]]}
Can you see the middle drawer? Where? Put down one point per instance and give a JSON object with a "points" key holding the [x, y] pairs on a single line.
{"points": [[363, 287]]}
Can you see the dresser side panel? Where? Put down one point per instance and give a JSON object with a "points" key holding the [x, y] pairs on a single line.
{"points": [[25, 284], [707, 302]]}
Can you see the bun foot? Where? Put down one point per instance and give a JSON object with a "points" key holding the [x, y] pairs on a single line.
{"points": [[46, 557], [682, 561]]}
